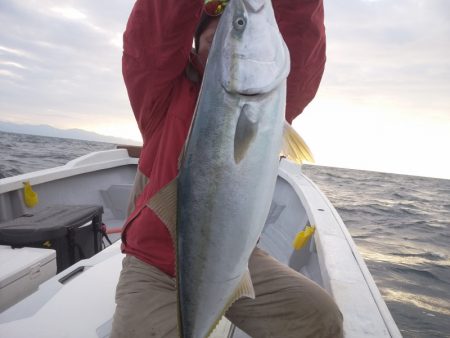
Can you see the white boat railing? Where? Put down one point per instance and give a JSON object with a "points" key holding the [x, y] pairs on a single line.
{"points": [[88, 163]]}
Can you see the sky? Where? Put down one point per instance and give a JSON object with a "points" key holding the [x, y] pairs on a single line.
{"points": [[383, 104]]}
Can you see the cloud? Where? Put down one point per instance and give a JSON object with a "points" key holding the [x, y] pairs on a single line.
{"points": [[12, 64], [390, 54], [383, 102], [5, 51], [69, 13], [63, 57], [401, 37], [8, 73]]}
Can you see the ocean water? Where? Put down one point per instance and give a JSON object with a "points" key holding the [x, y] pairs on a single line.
{"points": [[20, 153], [401, 225]]}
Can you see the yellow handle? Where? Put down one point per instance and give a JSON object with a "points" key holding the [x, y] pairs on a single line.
{"points": [[30, 197], [302, 237]]}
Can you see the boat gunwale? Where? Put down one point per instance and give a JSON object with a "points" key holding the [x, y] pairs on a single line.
{"points": [[312, 198], [292, 173], [91, 162]]}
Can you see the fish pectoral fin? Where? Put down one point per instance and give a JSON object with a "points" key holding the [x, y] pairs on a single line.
{"points": [[294, 148], [246, 128], [245, 288], [164, 205]]}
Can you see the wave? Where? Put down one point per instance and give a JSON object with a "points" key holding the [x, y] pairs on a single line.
{"points": [[427, 255], [8, 172], [423, 274], [21, 153]]}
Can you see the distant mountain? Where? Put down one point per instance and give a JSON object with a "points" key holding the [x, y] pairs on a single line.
{"points": [[46, 130]]}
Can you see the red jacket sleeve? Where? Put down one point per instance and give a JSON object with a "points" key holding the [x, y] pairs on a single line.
{"points": [[157, 43], [302, 25]]}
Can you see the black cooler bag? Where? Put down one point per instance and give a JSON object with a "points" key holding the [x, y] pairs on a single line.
{"points": [[74, 231]]}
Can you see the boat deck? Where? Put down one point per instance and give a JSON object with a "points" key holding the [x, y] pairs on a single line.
{"points": [[85, 291]]}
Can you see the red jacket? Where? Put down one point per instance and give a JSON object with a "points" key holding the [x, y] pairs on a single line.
{"points": [[157, 46]]}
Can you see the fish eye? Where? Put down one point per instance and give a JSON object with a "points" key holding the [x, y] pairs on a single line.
{"points": [[239, 23]]}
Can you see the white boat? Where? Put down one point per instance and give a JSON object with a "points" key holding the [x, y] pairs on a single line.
{"points": [[79, 301]]}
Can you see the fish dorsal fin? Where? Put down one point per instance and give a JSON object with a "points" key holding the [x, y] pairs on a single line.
{"points": [[294, 148], [164, 205]]}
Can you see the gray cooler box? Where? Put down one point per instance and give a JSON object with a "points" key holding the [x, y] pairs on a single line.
{"points": [[22, 271], [74, 231]]}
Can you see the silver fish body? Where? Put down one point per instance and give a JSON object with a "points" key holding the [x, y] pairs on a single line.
{"points": [[229, 167]]}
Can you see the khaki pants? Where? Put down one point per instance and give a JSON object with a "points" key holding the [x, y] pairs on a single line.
{"points": [[286, 305]]}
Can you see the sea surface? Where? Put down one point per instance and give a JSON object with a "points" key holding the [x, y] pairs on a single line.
{"points": [[401, 225]]}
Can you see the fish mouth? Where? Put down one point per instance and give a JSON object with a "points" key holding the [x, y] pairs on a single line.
{"points": [[252, 77], [252, 93], [248, 94]]}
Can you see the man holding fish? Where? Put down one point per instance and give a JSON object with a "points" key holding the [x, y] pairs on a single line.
{"points": [[213, 123]]}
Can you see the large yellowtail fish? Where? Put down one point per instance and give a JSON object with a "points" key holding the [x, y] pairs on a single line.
{"points": [[221, 198]]}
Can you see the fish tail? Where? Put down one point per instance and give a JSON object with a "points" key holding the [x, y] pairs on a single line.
{"points": [[294, 147]]}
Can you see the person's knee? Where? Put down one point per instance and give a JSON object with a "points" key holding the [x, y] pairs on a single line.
{"points": [[317, 313], [328, 318], [332, 321]]}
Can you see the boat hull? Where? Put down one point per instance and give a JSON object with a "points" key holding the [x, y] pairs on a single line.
{"points": [[84, 293]]}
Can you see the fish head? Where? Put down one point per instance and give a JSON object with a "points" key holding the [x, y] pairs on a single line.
{"points": [[254, 58]]}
